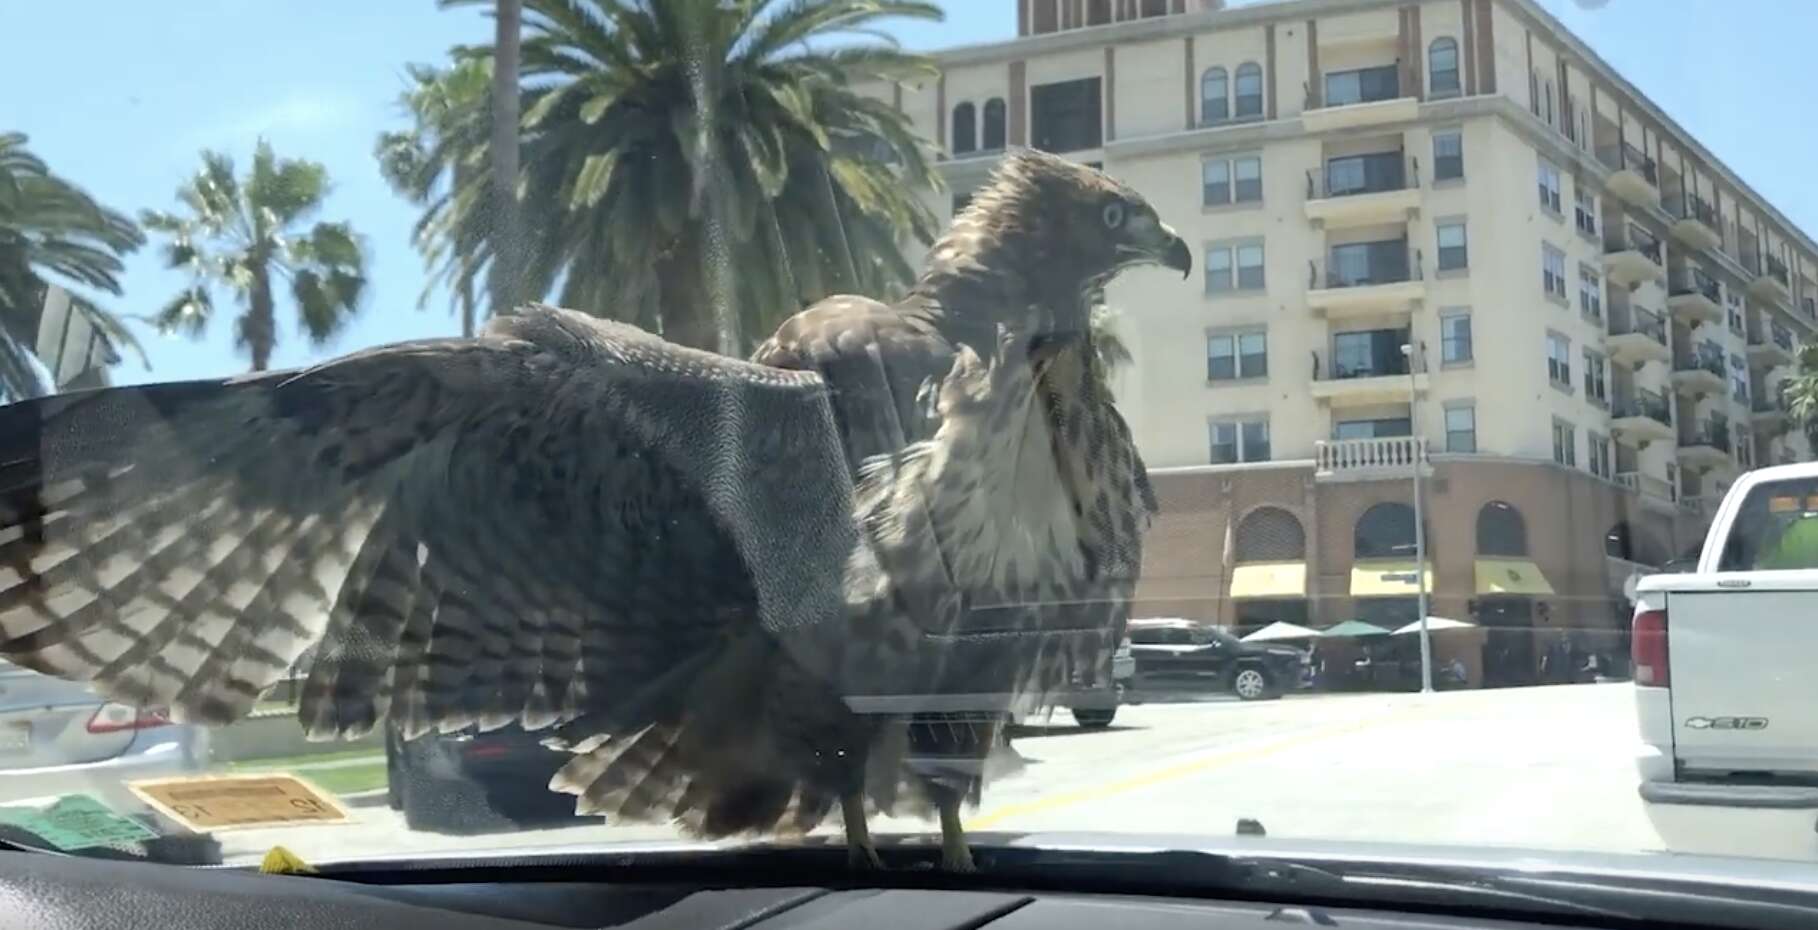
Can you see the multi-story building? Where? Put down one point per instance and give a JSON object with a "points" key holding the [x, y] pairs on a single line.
{"points": [[1436, 234]]}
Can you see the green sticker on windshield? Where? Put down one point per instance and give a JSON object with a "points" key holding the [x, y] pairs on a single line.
{"points": [[77, 821]]}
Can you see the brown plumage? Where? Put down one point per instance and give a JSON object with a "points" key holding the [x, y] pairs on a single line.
{"points": [[657, 555]]}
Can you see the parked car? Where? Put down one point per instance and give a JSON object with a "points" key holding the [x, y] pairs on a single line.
{"points": [[470, 782], [1722, 660], [1173, 654], [60, 737]]}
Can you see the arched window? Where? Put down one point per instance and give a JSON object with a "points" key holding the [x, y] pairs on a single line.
{"points": [[1270, 534], [1501, 530], [994, 124], [1249, 90], [965, 129], [1442, 66], [1214, 97], [1385, 531]]}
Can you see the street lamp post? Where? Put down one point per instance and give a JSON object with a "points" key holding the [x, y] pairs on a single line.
{"points": [[1415, 360]]}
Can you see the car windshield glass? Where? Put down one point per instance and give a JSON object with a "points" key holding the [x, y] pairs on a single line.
{"points": [[906, 426]]}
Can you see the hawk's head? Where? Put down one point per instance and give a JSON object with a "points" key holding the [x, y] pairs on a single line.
{"points": [[1063, 229]]}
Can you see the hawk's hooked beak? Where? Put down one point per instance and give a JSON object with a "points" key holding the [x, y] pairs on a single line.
{"points": [[1159, 243], [1177, 255]]}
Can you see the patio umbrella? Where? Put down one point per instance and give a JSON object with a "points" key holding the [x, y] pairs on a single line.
{"points": [[1281, 629], [1435, 624], [1352, 629]]}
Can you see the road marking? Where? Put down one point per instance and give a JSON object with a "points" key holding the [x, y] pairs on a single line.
{"points": [[1208, 763]]}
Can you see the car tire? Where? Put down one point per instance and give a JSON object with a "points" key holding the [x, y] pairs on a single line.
{"points": [[1250, 683], [1093, 719]]}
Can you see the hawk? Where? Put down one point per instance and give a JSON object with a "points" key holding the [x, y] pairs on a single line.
{"points": [[689, 570]]}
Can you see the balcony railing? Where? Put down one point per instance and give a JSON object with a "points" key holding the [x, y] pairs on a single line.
{"points": [[1626, 157], [1355, 175], [1637, 239], [1625, 320], [1385, 267], [1700, 360], [1646, 485], [1689, 206], [1694, 280], [1713, 433], [1643, 403], [1343, 369], [1382, 454]]}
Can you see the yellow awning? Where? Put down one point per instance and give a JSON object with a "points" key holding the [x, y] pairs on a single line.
{"points": [[1387, 578], [1510, 576], [1269, 579]]}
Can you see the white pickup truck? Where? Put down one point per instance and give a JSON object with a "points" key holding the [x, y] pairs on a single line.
{"points": [[1726, 678]]}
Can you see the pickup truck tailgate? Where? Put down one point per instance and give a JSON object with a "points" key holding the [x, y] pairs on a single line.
{"points": [[1744, 654]]}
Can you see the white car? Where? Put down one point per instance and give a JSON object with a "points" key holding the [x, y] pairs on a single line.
{"points": [[1726, 678]]}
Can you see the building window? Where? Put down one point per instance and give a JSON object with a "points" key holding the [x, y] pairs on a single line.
{"points": [[1745, 448], [1552, 271], [1363, 85], [1098, 12], [1214, 97], [1739, 379], [1067, 116], [1559, 361], [1231, 180], [1584, 209], [1240, 441], [994, 124], [1597, 449], [1565, 443], [1246, 260], [1453, 251], [1236, 356], [1455, 338], [1549, 102], [1549, 186], [1461, 429], [965, 129], [1442, 65], [1448, 155], [1590, 292], [1249, 90], [1596, 389], [1385, 531], [1735, 319]]}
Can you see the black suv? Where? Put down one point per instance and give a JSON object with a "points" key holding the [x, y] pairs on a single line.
{"points": [[1184, 654]]}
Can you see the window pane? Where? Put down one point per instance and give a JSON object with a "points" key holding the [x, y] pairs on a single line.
{"points": [[1214, 105], [1249, 179], [1249, 90], [1250, 267], [1224, 443], [1218, 269], [1455, 338], [1215, 178], [1255, 351], [1461, 429], [1256, 441], [1221, 363]]}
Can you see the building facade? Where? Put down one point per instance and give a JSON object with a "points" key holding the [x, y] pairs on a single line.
{"points": [[1438, 235]]}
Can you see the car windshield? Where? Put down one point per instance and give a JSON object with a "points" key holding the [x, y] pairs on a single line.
{"points": [[534, 424]]}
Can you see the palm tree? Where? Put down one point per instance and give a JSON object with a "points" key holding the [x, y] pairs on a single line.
{"points": [[1800, 393], [52, 232], [705, 167], [244, 234], [429, 164], [508, 281]]}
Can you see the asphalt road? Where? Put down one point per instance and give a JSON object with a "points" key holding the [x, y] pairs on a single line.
{"points": [[1533, 767]]}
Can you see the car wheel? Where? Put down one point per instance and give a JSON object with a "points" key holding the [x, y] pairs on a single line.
{"points": [[1095, 719], [1250, 684]]}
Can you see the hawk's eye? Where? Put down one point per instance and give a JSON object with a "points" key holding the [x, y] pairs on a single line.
{"points": [[1114, 215]]}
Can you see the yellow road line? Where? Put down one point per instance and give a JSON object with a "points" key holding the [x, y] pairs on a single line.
{"points": [[1208, 763]]}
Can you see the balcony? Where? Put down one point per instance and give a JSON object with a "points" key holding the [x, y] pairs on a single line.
{"points": [[1699, 373], [1770, 343], [1705, 445], [1632, 257], [1341, 386], [1654, 493], [1767, 411], [1695, 221], [1365, 190], [1372, 285], [1695, 297], [1380, 459], [1633, 175], [1641, 418], [1364, 97], [1637, 336], [1771, 282]]}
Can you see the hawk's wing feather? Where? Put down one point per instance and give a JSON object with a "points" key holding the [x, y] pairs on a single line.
{"points": [[529, 526]]}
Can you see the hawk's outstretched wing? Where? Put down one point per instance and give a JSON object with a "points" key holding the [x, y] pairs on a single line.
{"points": [[551, 520]]}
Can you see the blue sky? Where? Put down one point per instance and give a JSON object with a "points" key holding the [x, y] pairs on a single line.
{"points": [[122, 96]]}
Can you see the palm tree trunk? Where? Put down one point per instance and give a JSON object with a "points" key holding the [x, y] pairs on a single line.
{"points": [[507, 262], [685, 298], [260, 327]]}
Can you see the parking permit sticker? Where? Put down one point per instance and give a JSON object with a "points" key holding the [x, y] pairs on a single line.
{"points": [[77, 821], [207, 803]]}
